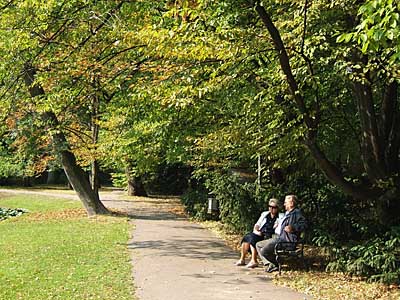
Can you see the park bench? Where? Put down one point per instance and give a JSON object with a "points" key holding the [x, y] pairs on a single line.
{"points": [[290, 249]]}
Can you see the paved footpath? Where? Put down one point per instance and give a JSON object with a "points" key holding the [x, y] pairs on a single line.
{"points": [[174, 259]]}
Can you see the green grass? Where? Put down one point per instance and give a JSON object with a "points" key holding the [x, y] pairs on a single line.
{"points": [[56, 252], [37, 203]]}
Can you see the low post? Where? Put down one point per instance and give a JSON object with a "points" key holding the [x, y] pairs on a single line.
{"points": [[212, 205]]}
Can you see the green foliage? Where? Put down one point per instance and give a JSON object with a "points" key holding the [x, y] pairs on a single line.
{"points": [[199, 83], [9, 169], [83, 54], [332, 216], [13, 165], [119, 179], [11, 212], [377, 258], [195, 202], [345, 228], [167, 179], [240, 202], [378, 30]]}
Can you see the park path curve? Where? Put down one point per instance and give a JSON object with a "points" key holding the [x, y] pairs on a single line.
{"points": [[175, 259]]}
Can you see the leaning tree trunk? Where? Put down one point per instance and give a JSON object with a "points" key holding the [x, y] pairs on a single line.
{"points": [[76, 176], [79, 181]]}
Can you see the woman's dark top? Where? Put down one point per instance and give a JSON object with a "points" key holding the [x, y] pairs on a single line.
{"points": [[267, 229]]}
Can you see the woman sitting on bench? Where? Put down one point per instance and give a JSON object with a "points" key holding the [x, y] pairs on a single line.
{"points": [[263, 229]]}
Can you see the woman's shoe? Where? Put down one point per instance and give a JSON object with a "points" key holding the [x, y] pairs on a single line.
{"points": [[251, 265], [240, 263]]}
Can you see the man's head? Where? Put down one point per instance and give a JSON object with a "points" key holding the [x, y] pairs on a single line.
{"points": [[290, 202]]}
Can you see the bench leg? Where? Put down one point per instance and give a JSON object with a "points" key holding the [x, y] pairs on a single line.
{"points": [[305, 265], [278, 260]]}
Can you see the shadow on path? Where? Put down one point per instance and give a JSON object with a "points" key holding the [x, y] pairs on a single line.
{"points": [[174, 259]]}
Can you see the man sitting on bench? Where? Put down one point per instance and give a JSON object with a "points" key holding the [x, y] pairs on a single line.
{"points": [[288, 229]]}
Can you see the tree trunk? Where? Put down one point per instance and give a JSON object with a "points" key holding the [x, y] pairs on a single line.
{"points": [[76, 176], [371, 143], [79, 181], [94, 177], [390, 126], [388, 207], [26, 181], [52, 177], [135, 184], [135, 187]]}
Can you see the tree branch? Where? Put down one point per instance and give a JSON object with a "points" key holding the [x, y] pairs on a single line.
{"points": [[332, 172], [110, 56], [7, 4], [98, 28], [285, 64]]}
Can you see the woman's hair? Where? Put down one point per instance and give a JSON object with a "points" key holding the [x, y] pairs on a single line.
{"points": [[273, 201]]}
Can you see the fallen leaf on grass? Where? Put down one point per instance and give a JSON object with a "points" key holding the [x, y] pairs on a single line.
{"points": [[72, 213]]}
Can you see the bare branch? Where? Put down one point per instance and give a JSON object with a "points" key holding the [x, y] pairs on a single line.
{"points": [[97, 29], [110, 56]]}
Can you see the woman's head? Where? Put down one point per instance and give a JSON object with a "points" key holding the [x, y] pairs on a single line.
{"points": [[273, 206]]}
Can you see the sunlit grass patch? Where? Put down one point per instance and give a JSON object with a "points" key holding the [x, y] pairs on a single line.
{"points": [[56, 252], [37, 203]]}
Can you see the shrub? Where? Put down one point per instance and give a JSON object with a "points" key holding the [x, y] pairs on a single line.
{"points": [[378, 258], [195, 202], [238, 203], [119, 179], [6, 213]]}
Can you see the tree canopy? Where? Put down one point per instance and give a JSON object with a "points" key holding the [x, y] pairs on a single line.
{"points": [[307, 88]]}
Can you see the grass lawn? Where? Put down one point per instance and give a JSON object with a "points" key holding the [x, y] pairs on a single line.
{"points": [[57, 252]]}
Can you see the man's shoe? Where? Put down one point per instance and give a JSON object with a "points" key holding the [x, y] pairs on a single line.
{"points": [[271, 268]]}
